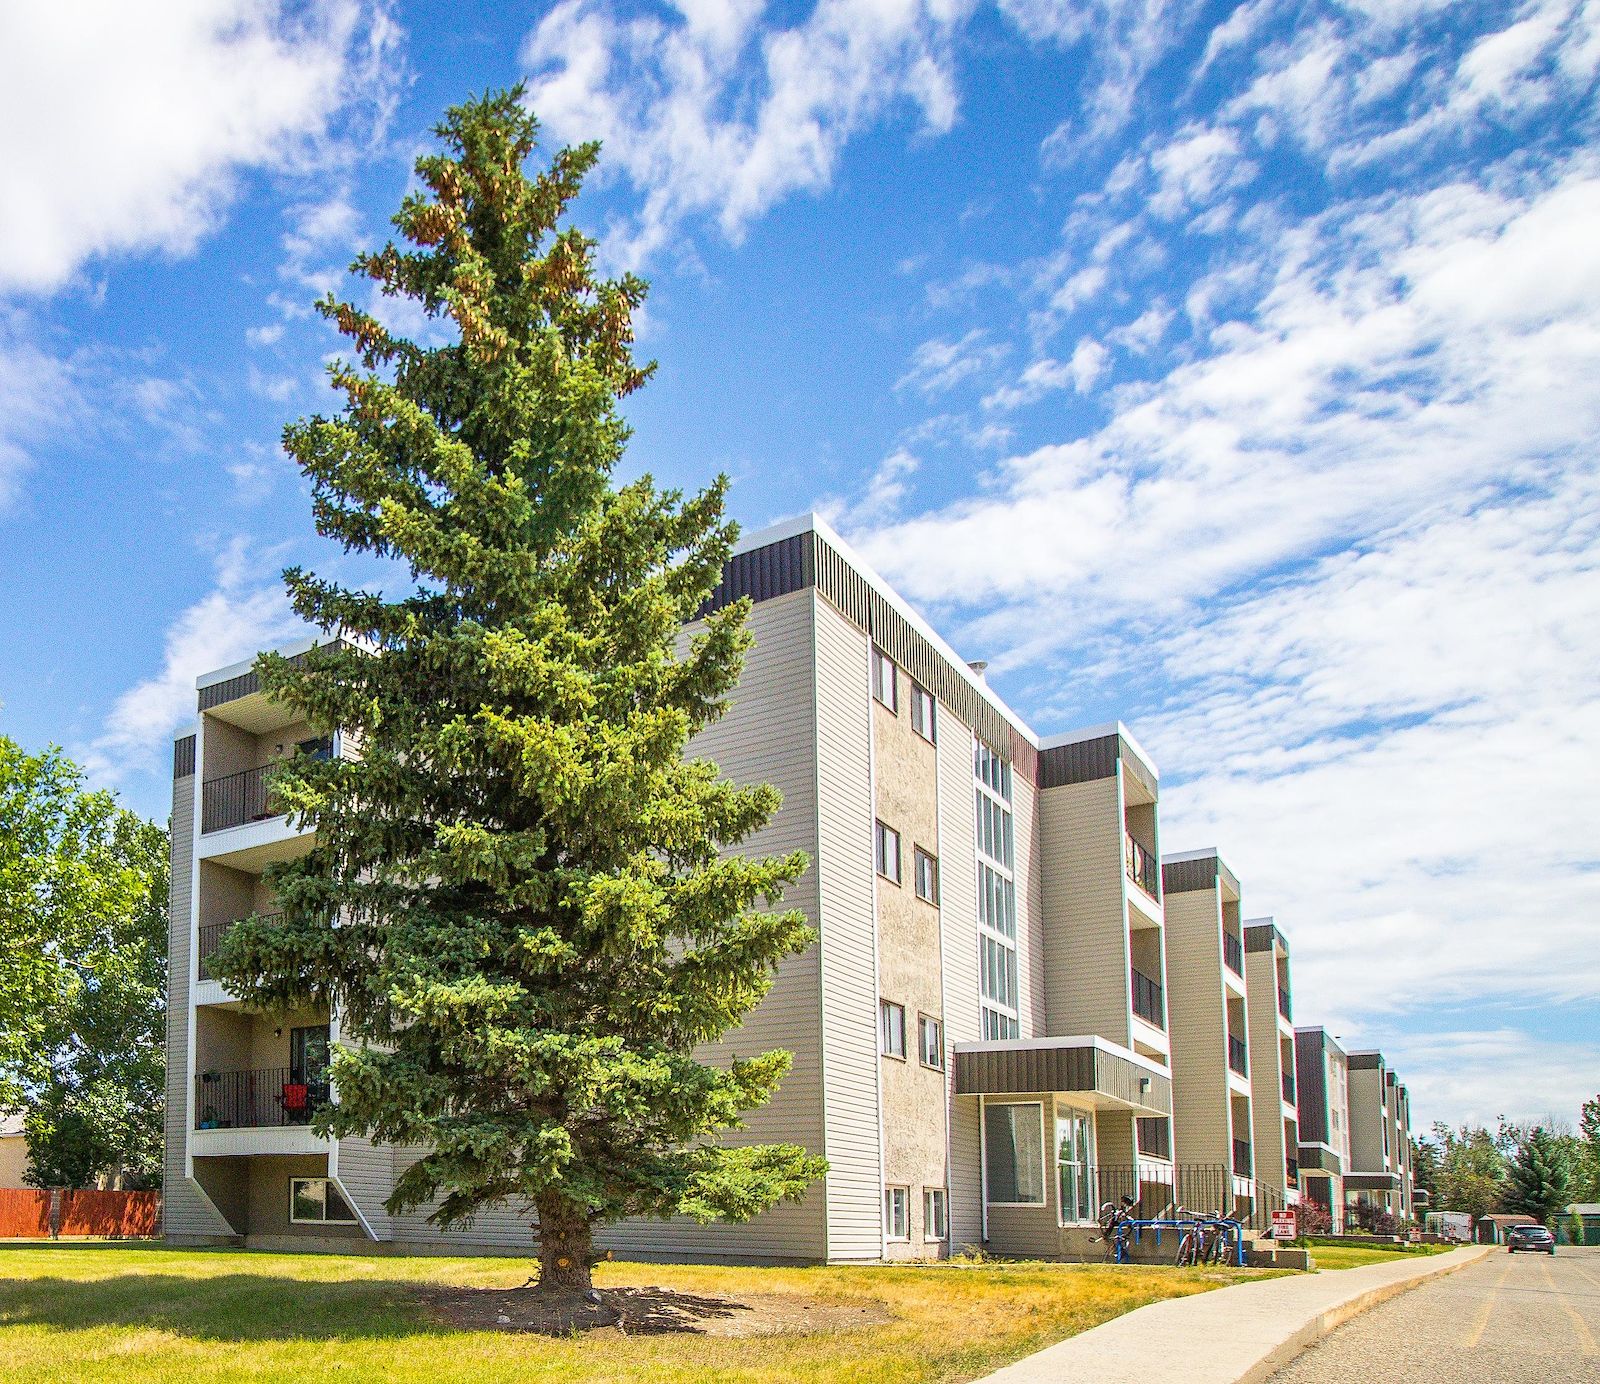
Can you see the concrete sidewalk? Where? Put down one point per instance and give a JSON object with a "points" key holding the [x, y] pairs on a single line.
{"points": [[1236, 1335]]}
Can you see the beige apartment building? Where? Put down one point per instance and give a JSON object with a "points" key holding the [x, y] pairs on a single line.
{"points": [[1209, 1022], [981, 1036], [1380, 1173], [1322, 1100], [1275, 1119]]}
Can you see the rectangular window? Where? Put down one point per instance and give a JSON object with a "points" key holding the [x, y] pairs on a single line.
{"points": [[922, 712], [997, 1025], [925, 875], [1074, 1165], [897, 1213], [316, 1201], [1013, 1153], [930, 1042], [887, 844], [892, 1028], [935, 1214], [883, 680]]}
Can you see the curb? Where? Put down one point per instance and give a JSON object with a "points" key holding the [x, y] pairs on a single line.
{"points": [[1240, 1334], [1325, 1323]]}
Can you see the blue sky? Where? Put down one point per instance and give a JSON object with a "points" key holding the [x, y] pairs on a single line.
{"points": [[1233, 369]]}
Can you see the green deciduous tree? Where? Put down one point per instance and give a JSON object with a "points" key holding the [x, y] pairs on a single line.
{"points": [[1586, 1173], [83, 895], [1471, 1175], [1538, 1176], [540, 918]]}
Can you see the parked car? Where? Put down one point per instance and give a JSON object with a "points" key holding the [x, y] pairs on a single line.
{"points": [[1534, 1237]]}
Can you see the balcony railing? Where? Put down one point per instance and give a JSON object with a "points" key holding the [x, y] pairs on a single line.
{"points": [[1233, 953], [1155, 1137], [235, 799], [1283, 1004], [1148, 1000], [1238, 1055], [267, 1098], [1241, 1158], [210, 939], [1288, 1088], [1142, 867]]}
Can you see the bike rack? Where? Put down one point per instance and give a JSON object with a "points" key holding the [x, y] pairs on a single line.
{"points": [[1232, 1228]]}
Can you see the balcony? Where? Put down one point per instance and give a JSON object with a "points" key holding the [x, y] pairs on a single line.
{"points": [[1233, 953], [1142, 867], [1155, 1137], [267, 1098], [1148, 1000], [235, 799], [1288, 1088], [1241, 1158], [1283, 1004], [1291, 1170], [211, 938], [1238, 1055]]}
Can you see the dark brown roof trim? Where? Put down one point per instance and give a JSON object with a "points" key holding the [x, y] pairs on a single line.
{"points": [[183, 757]]}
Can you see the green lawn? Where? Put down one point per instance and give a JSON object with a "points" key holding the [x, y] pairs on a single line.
{"points": [[138, 1314], [1355, 1256]]}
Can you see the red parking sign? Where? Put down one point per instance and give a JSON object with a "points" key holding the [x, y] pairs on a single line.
{"points": [[1283, 1224]]}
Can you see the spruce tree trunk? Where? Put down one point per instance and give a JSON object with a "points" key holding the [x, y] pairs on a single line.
{"points": [[566, 1245]]}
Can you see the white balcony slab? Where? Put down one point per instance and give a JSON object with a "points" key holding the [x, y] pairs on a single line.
{"points": [[231, 1143]]}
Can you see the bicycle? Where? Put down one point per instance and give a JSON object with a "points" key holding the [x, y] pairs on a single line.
{"points": [[1116, 1229]]}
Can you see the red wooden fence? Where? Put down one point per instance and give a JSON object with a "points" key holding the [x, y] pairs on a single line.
{"points": [[114, 1215]]}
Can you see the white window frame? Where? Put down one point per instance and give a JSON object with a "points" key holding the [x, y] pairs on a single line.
{"points": [[324, 1219], [935, 1211], [896, 1198], [882, 858], [887, 1010], [885, 676], [924, 713], [919, 858], [927, 1024], [1072, 1112], [1000, 1018], [1044, 1144]]}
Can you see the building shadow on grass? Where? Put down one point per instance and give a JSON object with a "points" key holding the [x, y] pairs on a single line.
{"points": [[225, 1307]]}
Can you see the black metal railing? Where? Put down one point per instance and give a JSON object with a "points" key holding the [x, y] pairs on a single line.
{"points": [[1283, 1004], [1148, 1000], [1206, 1188], [1233, 953], [1155, 1136], [1142, 867], [1288, 1088], [210, 939], [1241, 1157], [266, 1098], [235, 799], [1238, 1055]]}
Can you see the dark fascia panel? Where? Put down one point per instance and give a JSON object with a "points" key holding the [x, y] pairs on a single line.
{"points": [[1365, 1061], [807, 559], [1371, 1182], [1262, 936], [1087, 761], [246, 684], [1045, 1069], [1186, 876], [183, 756]]}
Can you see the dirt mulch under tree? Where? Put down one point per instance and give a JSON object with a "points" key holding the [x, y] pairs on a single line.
{"points": [[646, 1311]]}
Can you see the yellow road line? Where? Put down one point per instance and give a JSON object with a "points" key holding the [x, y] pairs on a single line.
{"points": [[1482, 1319], [1579, 1326]]}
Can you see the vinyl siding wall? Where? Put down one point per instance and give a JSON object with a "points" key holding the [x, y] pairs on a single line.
{"points": [[1266, 1068], [1197, 1026]]}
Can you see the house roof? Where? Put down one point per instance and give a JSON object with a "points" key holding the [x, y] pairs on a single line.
{"points": [[1584, 1208], [11, 1126]]}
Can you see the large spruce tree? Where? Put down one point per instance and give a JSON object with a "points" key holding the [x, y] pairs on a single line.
{"points": [[521, 901]]}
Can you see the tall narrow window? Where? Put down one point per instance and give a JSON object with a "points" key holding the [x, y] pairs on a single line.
{"points": [[892, 1028], [1074, 1165], [997, 895], [935, 1214], [897, 1213], [888, 852], [925, 873], [883, 680], [922, 711], [930, 1042]]}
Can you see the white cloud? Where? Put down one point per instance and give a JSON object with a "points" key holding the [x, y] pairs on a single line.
{"points": [[1086, 366], [233, 622], [39, 394], [1193, 168], [939, 364], [719, 114], [129, 125], [1477, 1075]]}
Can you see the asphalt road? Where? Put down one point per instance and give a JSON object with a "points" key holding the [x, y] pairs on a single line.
{"points": [[1503, 1320]]}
